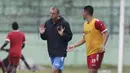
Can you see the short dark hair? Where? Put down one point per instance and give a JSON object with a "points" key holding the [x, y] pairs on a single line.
{"points": [[54, 7], [15, 26], [89, 9]]}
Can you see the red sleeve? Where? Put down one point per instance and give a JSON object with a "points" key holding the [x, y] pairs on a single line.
{"points": [[8, 37], [100, 26]]}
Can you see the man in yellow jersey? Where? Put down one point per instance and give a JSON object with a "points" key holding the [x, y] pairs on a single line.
{"points": [[95, 36]]}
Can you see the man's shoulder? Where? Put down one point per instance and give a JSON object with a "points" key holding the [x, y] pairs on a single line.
{"points": [[10, 33], [21, 32], [98, 21], [64, 22]]}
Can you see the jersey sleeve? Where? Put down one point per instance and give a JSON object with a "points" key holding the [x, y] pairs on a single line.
{"points": [[8, 37], [99, 25]]}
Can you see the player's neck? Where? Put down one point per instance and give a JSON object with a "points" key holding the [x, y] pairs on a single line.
{"points": [[15, 30], [89, 18]]}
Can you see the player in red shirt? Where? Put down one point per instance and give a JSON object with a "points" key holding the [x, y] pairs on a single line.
{"points": [[16, 39]]}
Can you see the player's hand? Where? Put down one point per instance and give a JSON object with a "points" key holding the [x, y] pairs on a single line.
{"points": [[42, 28], [102, 49], [60, 30], [70, 48]]}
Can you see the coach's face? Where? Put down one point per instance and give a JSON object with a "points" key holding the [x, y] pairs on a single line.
{"points": [[84, 14], [54, 13]]}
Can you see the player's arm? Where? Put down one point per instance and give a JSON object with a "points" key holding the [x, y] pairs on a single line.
{"points": [[101, 27], [6, 41], [81, 42], [5, 44], [105, 36], [6, 50], [24, 40], [23, 45], [72, 47]]}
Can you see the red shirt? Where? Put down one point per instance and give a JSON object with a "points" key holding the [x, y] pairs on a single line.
{"points": [[16, 39]]}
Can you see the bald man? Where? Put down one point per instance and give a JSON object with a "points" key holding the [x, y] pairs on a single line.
{"points": [[56, 31]]}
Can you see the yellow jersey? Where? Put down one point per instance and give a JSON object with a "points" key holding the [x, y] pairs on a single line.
{"points": [[93, 35]]}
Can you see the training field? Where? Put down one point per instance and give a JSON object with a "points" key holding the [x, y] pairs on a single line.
{"points": [[79, 69], [35, 52]]}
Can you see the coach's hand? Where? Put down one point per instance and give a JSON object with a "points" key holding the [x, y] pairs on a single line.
{"points": [[42, 29], [70, 48], [60, 30]]}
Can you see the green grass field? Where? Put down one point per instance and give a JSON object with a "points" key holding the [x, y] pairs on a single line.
{"points": [[81, 69]]}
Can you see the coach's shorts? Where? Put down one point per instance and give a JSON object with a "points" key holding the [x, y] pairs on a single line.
{"points": [[94, 61], [57, 62], [13, 60]]}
